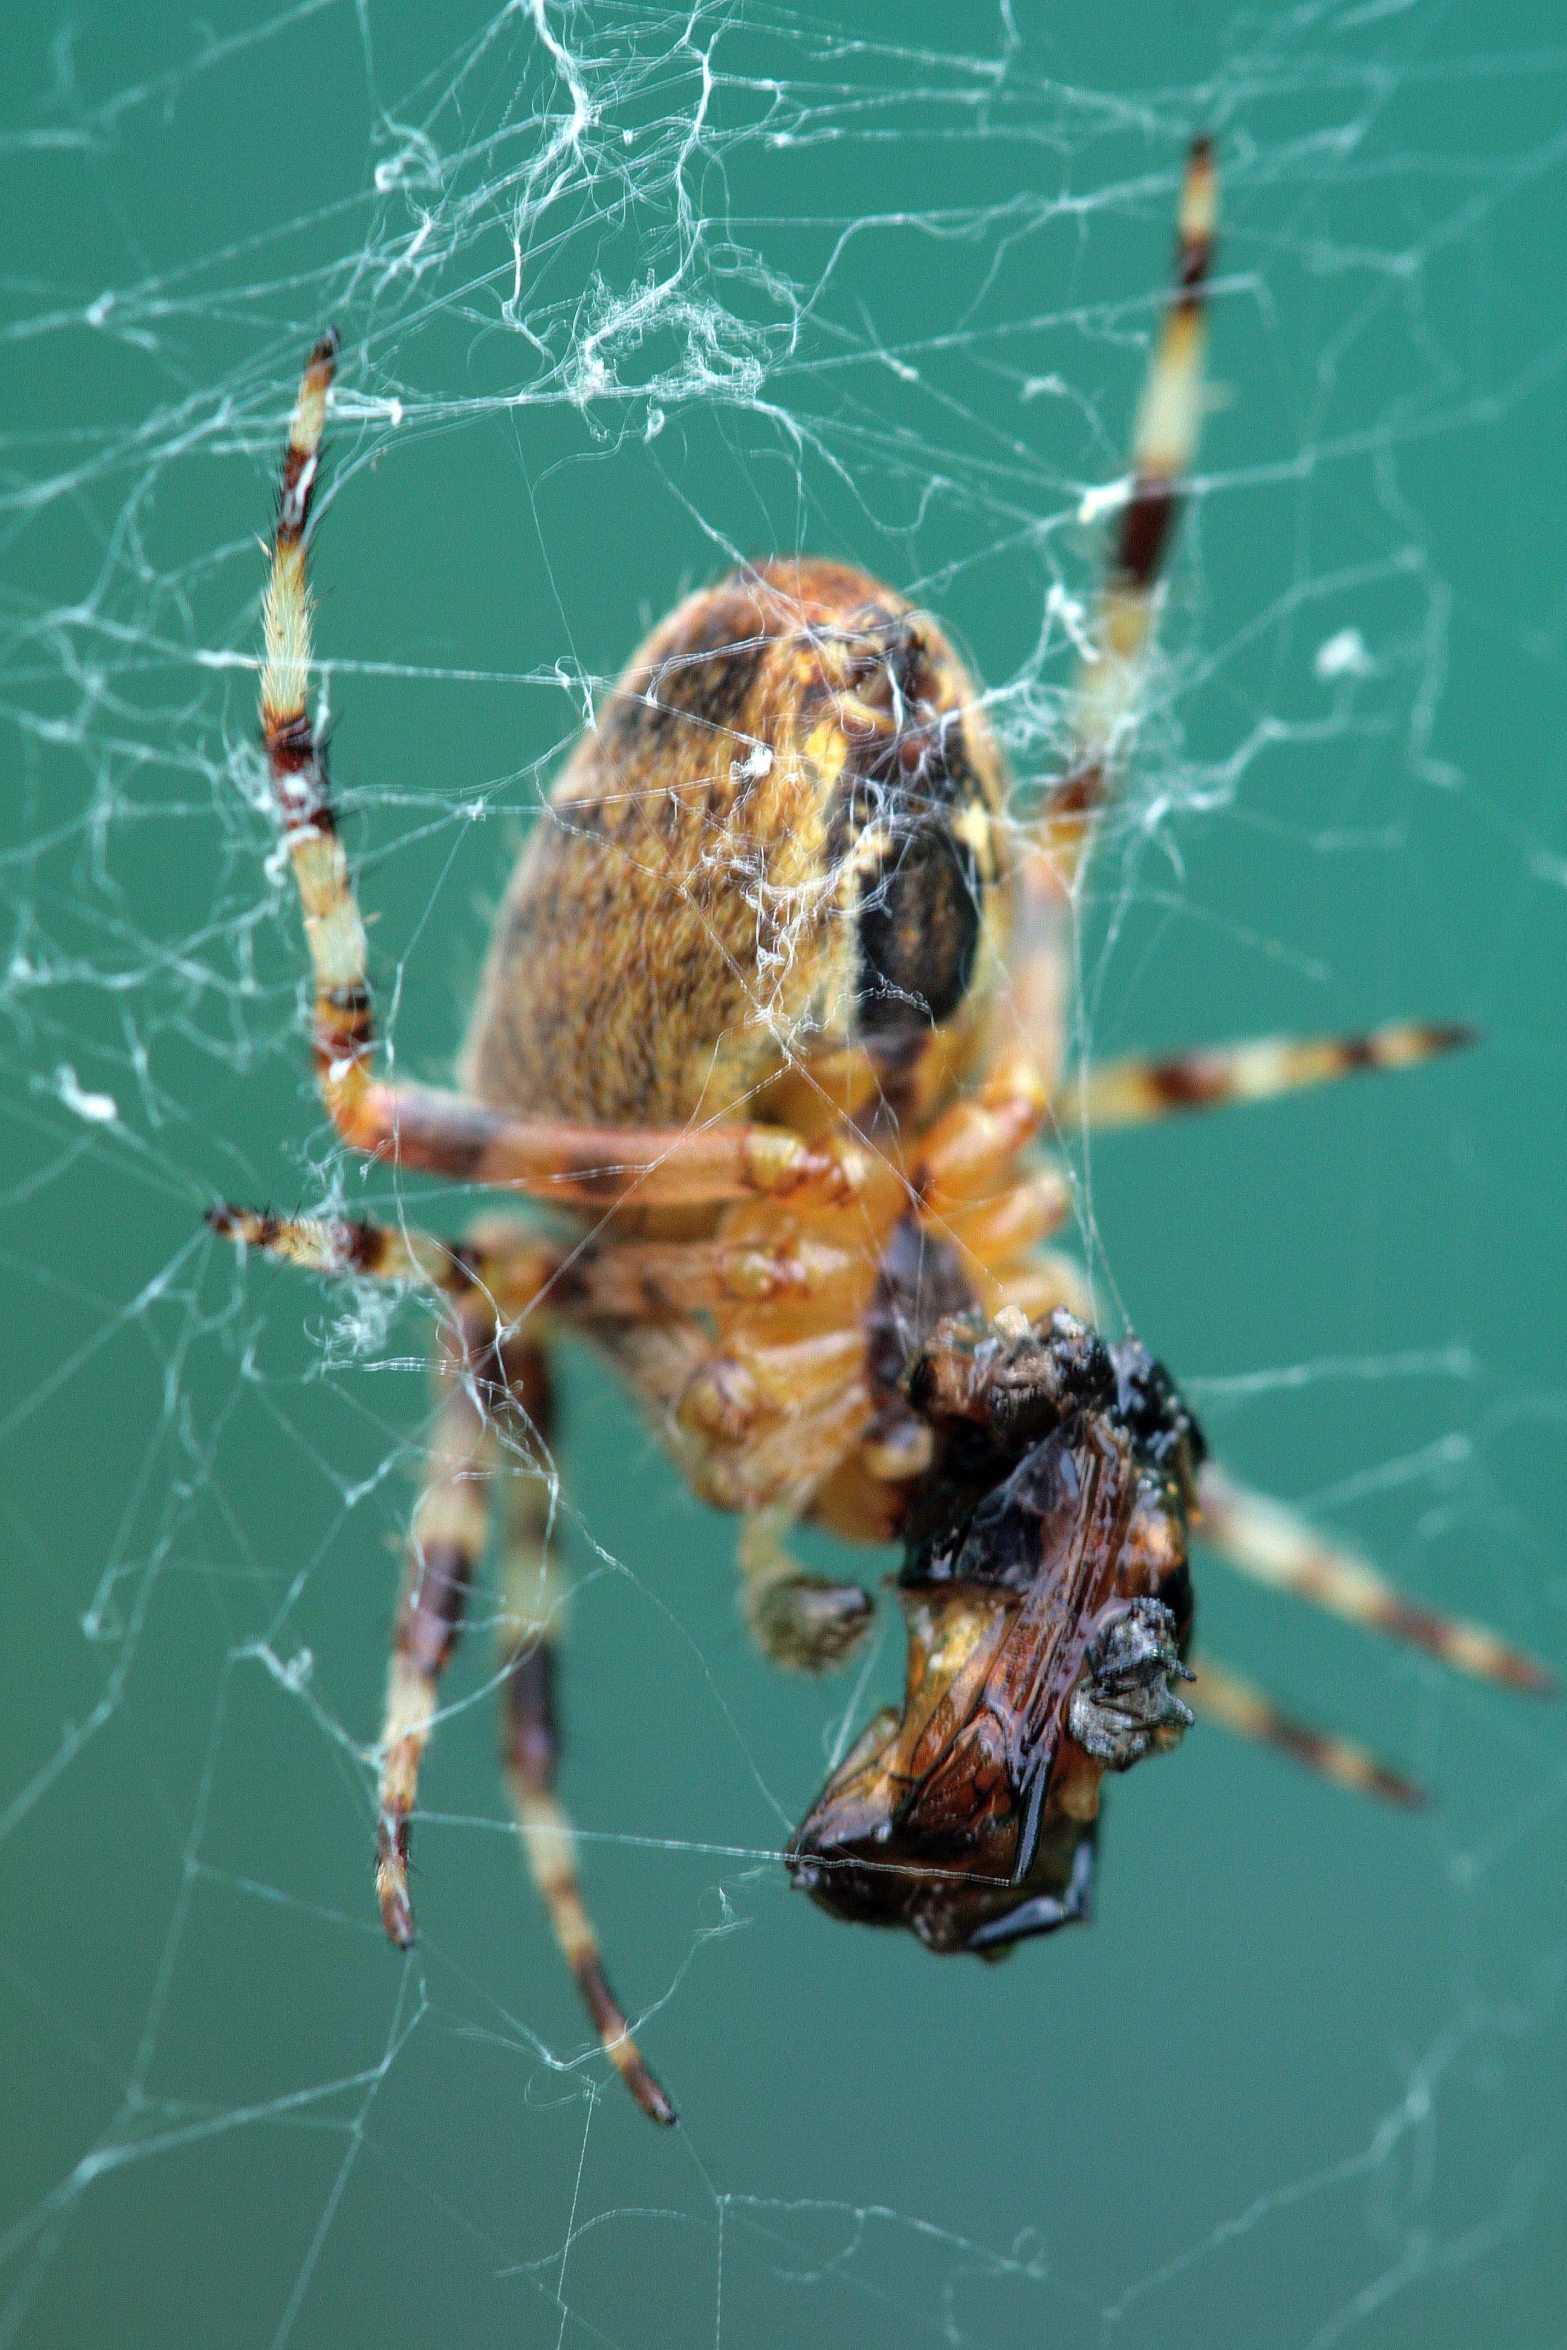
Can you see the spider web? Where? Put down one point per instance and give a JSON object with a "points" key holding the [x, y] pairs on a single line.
{"points": [[626, 293]]}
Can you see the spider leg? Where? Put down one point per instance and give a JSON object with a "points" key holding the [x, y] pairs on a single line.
{"points": [[488, 1385], [969, 1191], [764, 1420], [617, 1279], [530, 1626], [445, 1547], [1216, 1695], [1164, 447], [1109, 693], [1134, 1091], [969, 1152], [1269, 1543], [510, 1273], [442, 1132]]}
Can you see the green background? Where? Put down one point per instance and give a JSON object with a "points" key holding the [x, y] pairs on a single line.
{"points": [[1301, 2083]]}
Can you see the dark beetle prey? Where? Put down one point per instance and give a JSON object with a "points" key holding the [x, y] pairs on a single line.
{"points": [[1049, 1604]]}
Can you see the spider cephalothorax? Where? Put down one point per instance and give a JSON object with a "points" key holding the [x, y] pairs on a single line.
{"points": [[774, 1012], [1048, 1605]]}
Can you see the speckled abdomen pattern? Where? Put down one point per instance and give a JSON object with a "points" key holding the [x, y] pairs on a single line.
{"points": [[682, 919]]}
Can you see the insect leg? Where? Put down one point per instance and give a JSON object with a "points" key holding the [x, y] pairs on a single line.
{"points": [[1134, 1091], [1273, 1546], [530, 1627], [1223, 1697]]}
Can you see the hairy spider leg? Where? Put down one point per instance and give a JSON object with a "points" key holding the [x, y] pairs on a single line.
{"points": [[1105, 719], [1272, 1545], [1257, 1536], [1164, 448], [996, 1237], [971, 1150], [1108, 697], [419, 1126], [515, 1269], [491, 1386], [531, 1621], [446, 1544], [1216, 1695], [1135, 1091]]}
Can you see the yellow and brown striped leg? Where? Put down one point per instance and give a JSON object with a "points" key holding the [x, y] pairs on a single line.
{"points": [[1134, 1091], [1273, 1546], [530, 1626], [343, 1248], [420, 1127], [344, 1028], [1164, 447], [1110, 683], [446, 1545], [620, 1279], [594, 1166], [1216, 1695]]}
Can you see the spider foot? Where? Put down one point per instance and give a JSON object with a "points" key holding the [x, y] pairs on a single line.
{"points": [[1124, 1707], [391, 1879]]}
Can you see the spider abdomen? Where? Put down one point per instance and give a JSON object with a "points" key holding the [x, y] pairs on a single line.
{"points": [[780, 836]]}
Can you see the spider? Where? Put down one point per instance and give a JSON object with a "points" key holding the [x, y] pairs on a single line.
{"points": [[774, 1012]]}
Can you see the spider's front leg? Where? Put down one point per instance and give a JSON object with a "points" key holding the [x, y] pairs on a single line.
{"points": [[493, 1425], [444, 1133]]}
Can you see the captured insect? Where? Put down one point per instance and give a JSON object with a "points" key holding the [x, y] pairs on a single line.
{"points": [[774, 1014]]}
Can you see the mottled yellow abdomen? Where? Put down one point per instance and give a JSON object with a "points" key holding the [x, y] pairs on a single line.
{"points": [[780, 838]]}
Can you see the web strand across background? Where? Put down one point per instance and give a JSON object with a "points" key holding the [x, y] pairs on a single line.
{"points": [[624, 296]]}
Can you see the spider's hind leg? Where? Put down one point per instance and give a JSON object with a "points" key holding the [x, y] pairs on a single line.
{"points": [[1135, 1091], [1236, 1705], [532, 1610], [445, 1547], [444, 1132], [1268, 1542]]}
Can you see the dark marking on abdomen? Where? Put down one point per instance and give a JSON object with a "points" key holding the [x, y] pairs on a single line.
{"points": [[706, 682]]}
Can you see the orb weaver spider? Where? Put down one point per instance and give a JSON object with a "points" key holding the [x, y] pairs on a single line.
{"points": [[773, 1014]]}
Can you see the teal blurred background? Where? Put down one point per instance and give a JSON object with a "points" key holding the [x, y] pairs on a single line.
{"points": [[623, 293]]}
